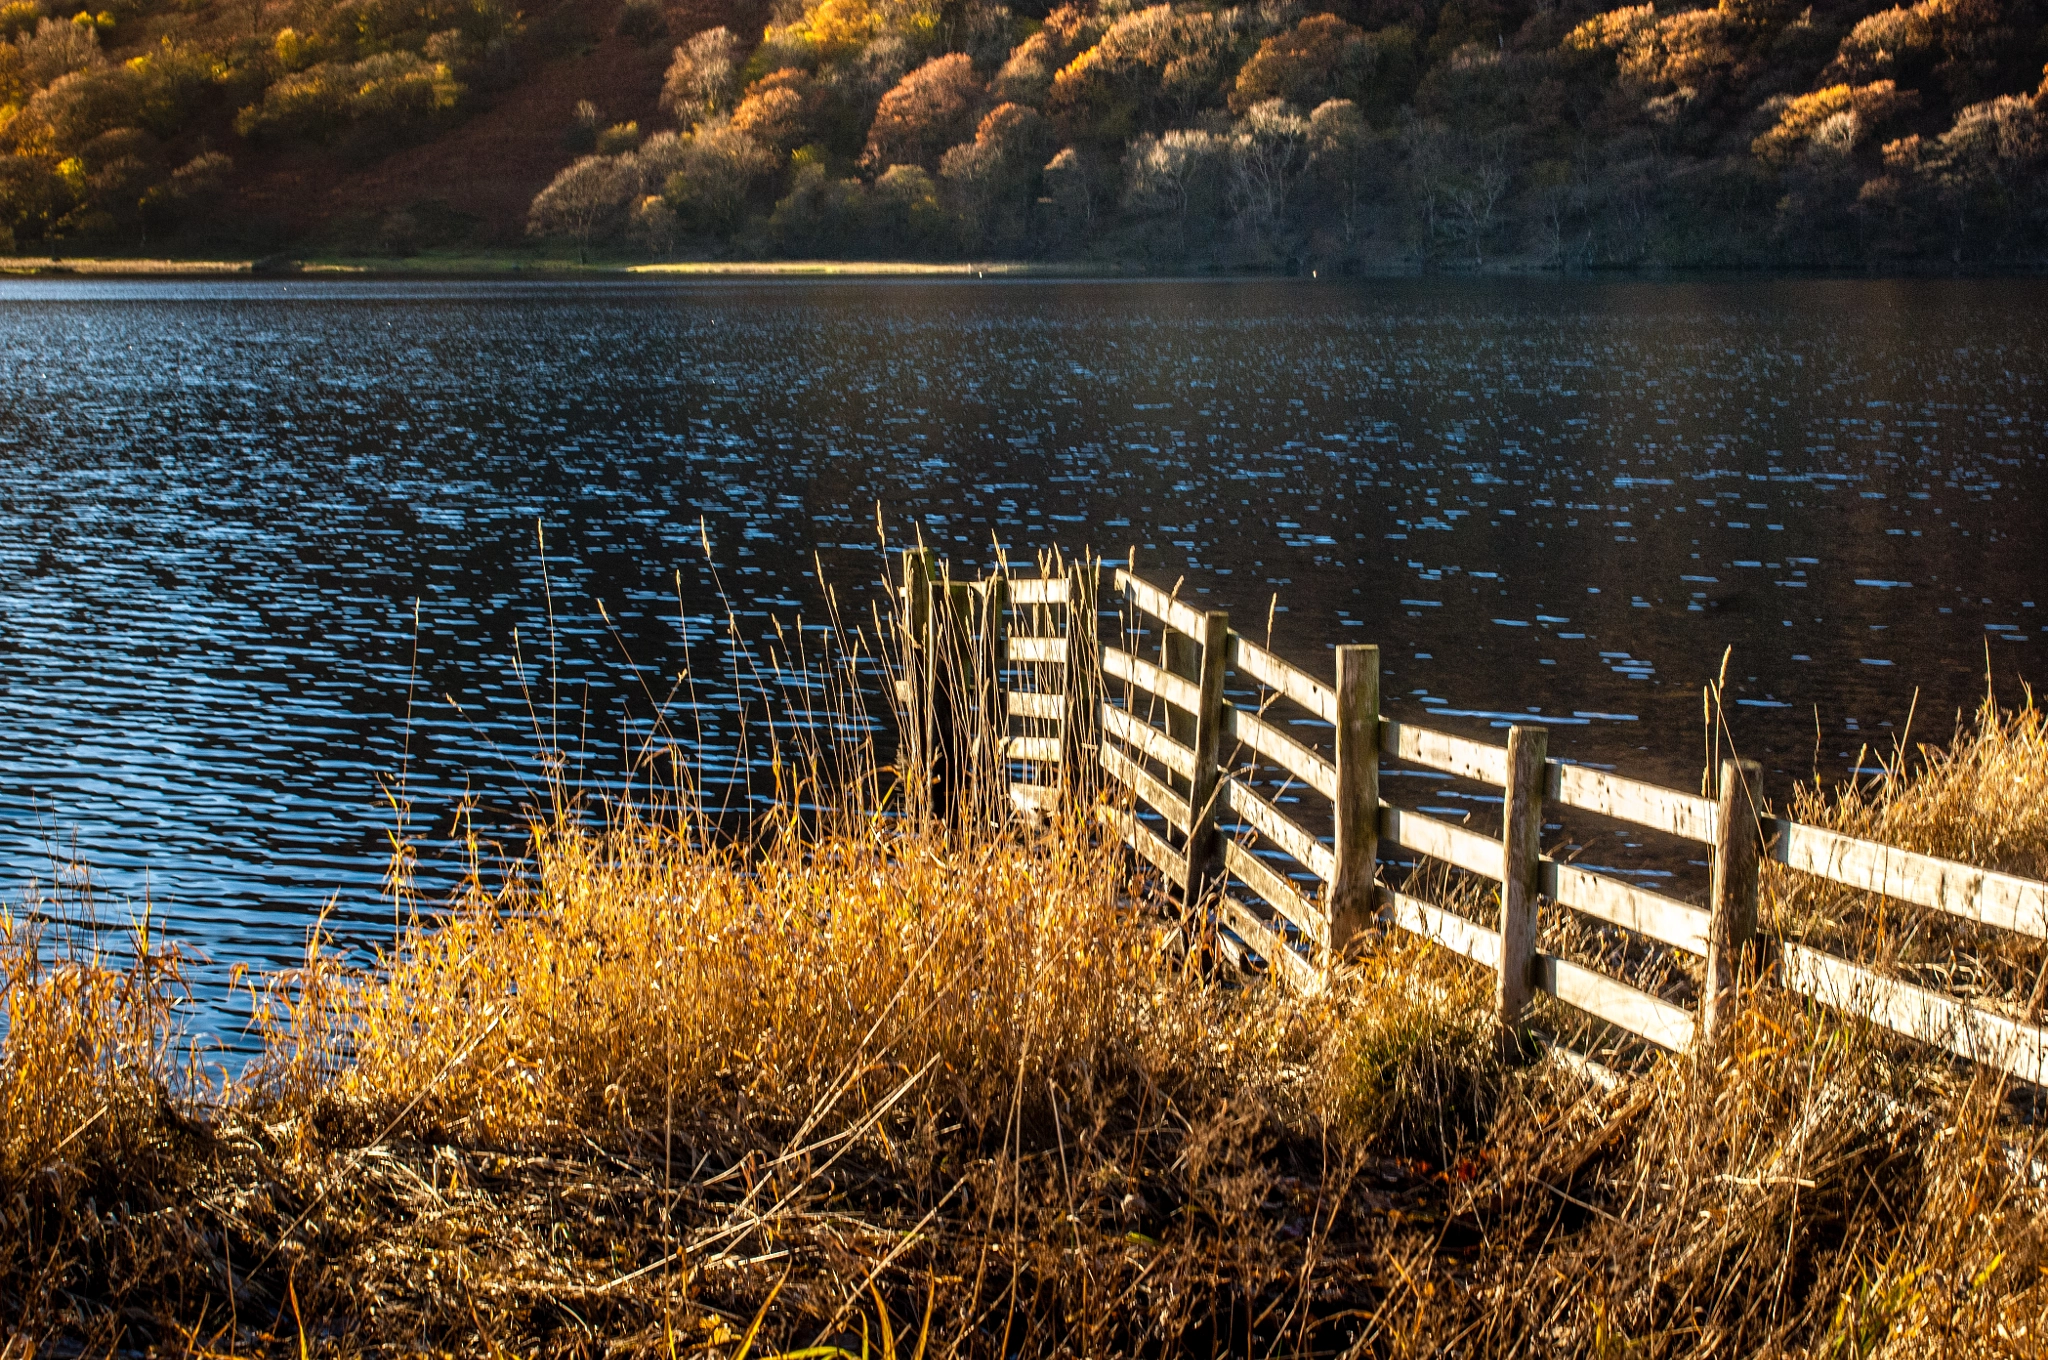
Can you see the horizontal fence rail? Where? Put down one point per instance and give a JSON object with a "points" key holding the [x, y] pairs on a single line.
{"points": [[1191, 764], [1991, 899]]}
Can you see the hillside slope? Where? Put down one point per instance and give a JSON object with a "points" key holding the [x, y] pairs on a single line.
{"points": [[1285, 134], [473, 183]]}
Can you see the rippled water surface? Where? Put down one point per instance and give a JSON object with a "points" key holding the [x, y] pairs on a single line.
{"points": [[1550, 500]]}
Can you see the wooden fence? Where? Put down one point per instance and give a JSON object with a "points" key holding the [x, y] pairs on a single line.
{"points": [[1181, 756]]}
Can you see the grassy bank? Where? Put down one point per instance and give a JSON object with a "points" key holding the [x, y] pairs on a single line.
{"points": [[467, 264], [896, 1086]]}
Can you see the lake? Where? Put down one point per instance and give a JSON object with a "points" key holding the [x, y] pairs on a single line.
{"points": [[1558, 500]]}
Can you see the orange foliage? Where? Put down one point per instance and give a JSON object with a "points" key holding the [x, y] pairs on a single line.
{"points": [[1319, 59], [1799, 118]]}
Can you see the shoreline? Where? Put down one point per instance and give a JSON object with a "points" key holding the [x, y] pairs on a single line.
{"points": [[500, 265]]}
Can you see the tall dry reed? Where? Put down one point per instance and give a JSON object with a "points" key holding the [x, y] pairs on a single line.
{"points": [[875, 1080]]}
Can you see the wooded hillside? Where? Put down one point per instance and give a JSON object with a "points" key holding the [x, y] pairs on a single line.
{"points": [[1377, 133]]}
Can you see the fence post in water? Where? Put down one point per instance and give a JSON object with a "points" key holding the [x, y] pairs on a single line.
{"points": [[1521, 862], [1080, 708], [1358, 792], [1731, 925], [1208, 738]]}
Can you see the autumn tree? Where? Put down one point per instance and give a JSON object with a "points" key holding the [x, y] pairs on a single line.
{"points": [[1984, 181], [820, 215], [722, 169], [1341, 155], [1077, 187], [906, 215], [58, 48], [1026, 76], [994, 178], [1176, 176], [1156, 67], [585, 202], [1269, 149], [1839, 114], [777, 110], [931, 109], [1319, 59], [702, 75]]}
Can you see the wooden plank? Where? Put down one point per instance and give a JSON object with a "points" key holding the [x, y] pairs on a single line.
{"points": [[1022, 705], [1146, 842], [1283, 750], [1182, 656], [1160, 605], [1664, 919], [1982, 895], [1279, 892], [1038, 590], [1044, 750], [1474, 760], [1440, 840], [1040, 649], [1270, 671], [1163, 800], [1271, 945], [1631, 800], [1355, 810], [1039, 798], [1182, 694], [1149, 740], [1235, 952], [1446, 928], [1930, 1017], [1617, 1003], [1273, 824]]}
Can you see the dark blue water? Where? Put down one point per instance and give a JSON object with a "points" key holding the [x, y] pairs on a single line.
{"points": [[221, 503]]}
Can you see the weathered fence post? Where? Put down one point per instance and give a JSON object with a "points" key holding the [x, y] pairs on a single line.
{"points": [[1081, 698], [1207, 742], [1358, 793], [1732, 921], [1521, 862]]}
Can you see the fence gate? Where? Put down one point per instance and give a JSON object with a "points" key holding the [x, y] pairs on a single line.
{"points": [[1196, 729], [999, 673]]}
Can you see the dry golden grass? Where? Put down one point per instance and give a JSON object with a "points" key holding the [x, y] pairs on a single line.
{"points": [[893, 1085]]}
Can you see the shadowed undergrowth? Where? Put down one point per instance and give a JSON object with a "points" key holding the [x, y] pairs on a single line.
{"points": [[899, 1086]]}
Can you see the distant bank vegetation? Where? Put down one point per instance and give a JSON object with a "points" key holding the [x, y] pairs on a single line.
{"points": [[1278, 134], [1272, 134]]}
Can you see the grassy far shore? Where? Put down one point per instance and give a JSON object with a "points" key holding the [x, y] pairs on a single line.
{"points": [[510, 263], [546, 263], [907, 1086]]}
